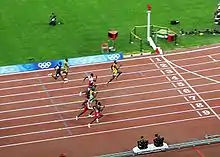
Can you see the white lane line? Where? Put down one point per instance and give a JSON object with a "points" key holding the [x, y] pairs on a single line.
{"points": [[195, 107], [70, 103], [198, 64], [105, 131], [148, 100], [106, 114], [131, 59], [194, 51], [126, 73], [78, 87], [95, 70], [194, 73], [192, 58], [191, 87], [81, 86], [77, 95], [102, 123], [186, 98], [212, 58], [57, 89], [55, 107], [73, 73], [175, 87], [80, 79], [180, 92]]}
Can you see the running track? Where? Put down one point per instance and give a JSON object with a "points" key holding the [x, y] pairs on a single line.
{"points": [[177, 96]]}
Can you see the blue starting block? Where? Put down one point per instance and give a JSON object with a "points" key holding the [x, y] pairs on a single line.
{"points": [[150, 149]]}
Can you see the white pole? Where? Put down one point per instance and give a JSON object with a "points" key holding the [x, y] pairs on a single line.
{"points": [[148, 21]]}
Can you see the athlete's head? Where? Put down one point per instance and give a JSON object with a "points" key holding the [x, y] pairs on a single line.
{"points": [[92, 74], [60, 63], [115, 61], [66, 59], [93, 87], [99, 103]]}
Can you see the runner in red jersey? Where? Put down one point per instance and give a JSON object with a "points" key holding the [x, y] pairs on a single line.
{"points": [[97, 108], [85, 106]]}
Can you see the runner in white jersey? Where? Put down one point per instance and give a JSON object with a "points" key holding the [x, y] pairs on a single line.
{"points": [[92, 79]]}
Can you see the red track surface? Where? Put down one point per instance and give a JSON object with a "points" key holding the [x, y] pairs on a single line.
{"points": [[177, 96]]}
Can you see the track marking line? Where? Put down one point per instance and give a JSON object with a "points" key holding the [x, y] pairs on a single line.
{"points": [[132, 59], [198, 64], [55, 107], [128, 73], [107, 131], [195, 50], [186, 98], [173, 71], [198, 95], [73, 73], [191, 72], [71, 95], [181, 93], [198, 152], [148, 100], [71, 103], [77, 87], [193, 106], [106, 114], [212, 58], [95, 70], [102, 123], [45, 114], [84, 86]]}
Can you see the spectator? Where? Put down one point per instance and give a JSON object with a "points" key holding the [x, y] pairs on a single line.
{"points": [[53, 20], [158, 141], [217, 18], [217, 15], [142, 143]]}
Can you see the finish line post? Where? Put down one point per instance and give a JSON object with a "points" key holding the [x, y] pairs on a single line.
{"points": [[148, 21]]}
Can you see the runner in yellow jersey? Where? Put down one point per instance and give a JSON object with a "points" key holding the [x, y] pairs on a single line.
{"points": [[92, 95], [115, 71], [66, 69]]}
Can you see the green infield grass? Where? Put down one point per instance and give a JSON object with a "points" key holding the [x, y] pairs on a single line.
{"points": [[25, 33]]}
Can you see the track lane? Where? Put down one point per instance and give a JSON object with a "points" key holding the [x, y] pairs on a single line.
{"points": [[179, 97], [108, 124]]}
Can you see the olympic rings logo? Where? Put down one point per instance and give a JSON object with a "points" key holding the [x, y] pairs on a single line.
{"points": [[113, 57], [44, 65]]}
